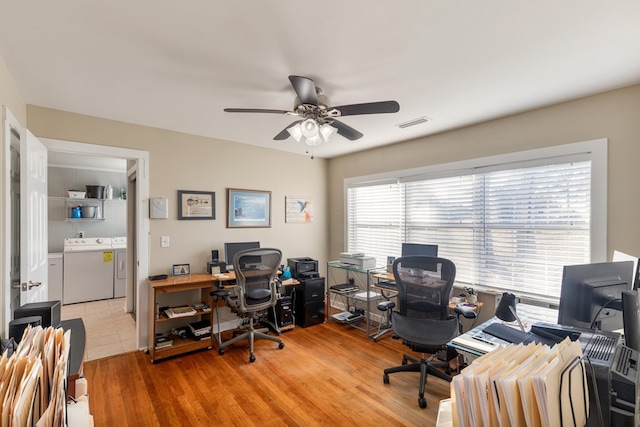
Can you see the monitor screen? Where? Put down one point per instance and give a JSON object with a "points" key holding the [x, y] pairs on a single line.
{"points": [[419, 249], [591, 295], [631, 318], [231, 249]]}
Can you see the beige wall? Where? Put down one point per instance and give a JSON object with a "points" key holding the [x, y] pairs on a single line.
{"points": [[613, 115], [186, 162], [10, 95]]}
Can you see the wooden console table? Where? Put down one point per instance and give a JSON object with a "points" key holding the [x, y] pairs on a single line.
{"points": [[175, 291]]}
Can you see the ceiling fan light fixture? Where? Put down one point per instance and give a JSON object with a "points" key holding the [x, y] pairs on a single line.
{"points": [[314, 140], [295, 132], [309, 128], [326, 131]]}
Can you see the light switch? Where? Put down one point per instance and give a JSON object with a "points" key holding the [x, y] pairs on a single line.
{"points": [[164, 241]]}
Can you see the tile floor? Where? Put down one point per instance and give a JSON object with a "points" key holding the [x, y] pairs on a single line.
{"points": [[109, 329]]}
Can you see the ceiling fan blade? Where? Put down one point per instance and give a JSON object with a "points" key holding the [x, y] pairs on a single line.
{"points": [[346, 131], [255, 110], [305, 89], [285, 134], [368, 108]]}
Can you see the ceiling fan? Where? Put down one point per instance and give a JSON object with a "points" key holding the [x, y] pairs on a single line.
{"points": [[318, 120]]}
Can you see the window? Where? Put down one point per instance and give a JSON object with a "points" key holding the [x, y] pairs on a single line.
{"points": [[511, 225]]}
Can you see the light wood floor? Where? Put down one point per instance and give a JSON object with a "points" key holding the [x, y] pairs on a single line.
{"points": [[327, 374], [110, 330]]}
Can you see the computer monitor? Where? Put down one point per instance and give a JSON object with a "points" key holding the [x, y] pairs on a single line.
{"points": [[631, 318], [419, 249], [591, 295], [231, 249]]}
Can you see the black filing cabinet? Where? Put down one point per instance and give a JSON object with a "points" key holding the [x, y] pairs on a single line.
{"points": [[309, 302]]}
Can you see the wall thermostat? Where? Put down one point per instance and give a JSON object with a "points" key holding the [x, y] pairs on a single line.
{"points": [[158, 208]]}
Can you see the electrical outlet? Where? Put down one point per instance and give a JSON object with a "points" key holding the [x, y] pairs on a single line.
{"points": [[164, 241], [81, 234]]}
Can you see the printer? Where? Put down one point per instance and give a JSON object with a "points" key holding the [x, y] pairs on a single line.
{"points": [[357, 260], [303, 267]]}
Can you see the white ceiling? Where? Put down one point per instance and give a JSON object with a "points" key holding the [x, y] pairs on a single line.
{"points": [[177, 64]]}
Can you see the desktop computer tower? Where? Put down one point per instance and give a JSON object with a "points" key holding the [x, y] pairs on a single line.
{"points": [[17, 326], [284, 313], [48, 310], [309, 305]]}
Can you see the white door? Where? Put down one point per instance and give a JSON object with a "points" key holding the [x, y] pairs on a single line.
{"points": [[33, 220]]}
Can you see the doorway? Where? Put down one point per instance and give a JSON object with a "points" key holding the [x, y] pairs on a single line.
{"points": [[135, 302]]}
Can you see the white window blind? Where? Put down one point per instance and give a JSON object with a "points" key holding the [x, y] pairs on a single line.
{"points": [[508, 227], [375, 218]]}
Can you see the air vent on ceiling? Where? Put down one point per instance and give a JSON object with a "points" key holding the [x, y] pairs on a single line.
{"points": [[423, 119]]}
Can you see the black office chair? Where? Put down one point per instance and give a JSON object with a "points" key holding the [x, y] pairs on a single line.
{"points": [[422, 320], [255, 293]]}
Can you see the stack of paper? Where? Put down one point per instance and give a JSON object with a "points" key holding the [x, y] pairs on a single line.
{"points": [[520, 385], [33, 379]]}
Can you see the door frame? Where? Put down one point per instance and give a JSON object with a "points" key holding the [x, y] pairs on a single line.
{"points": [[6, 215], [137, 228]]}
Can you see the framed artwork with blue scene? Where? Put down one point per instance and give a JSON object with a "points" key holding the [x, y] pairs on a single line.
{"points": [[248, 208]]}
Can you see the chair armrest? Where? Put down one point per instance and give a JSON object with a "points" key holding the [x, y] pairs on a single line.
{"points": [[386, 305], [466, 312]]}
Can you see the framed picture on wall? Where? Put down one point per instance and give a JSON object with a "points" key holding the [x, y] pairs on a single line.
{"points": [[196, 204], [298, 209], [248, 208]]}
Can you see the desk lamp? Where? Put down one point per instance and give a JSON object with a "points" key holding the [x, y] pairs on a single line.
{"points": [[506, 309]]}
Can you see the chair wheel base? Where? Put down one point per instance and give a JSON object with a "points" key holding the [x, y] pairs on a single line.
{"points": [[422, 402]]}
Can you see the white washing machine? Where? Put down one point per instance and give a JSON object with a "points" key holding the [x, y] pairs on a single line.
{"points": [[119, 245], [88, 269]]}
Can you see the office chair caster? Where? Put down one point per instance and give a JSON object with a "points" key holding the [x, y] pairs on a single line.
{"points": [[221, 351], [252, 358], [422, 402], [281, 345], [385, 379]]}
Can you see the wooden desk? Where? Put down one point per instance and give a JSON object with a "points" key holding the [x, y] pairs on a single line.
{"points": [[388, 277], [222, 280]]}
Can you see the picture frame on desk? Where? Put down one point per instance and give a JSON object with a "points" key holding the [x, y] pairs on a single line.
{"points": [[181, 269], [196, 204], [248, 208]]}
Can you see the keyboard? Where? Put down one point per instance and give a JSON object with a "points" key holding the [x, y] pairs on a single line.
{"points": [[387, 285], [507, 333]]}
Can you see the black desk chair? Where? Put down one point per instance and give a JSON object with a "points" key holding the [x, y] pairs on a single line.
{"points": [[254, 294], [422, 320]]}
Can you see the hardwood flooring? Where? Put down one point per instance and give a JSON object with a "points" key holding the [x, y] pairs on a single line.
{"points": [[327, 374]]}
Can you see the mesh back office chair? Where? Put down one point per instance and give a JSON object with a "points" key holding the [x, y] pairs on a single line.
{"points": [[255, 293], [423, 321]]}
